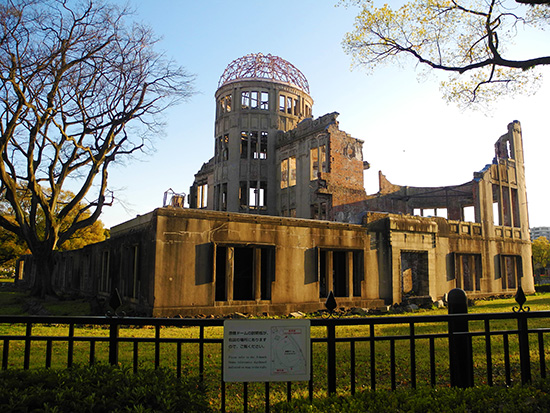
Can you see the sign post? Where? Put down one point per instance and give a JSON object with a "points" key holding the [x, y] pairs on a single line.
{"points": [[266, 350]]}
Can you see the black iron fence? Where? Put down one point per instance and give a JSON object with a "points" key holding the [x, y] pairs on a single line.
{"points": [[347, 354]]}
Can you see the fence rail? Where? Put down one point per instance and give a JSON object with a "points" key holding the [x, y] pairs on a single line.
{"points": [[347, 354]]}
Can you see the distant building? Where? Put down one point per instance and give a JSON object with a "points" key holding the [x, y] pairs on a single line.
{"points": [[537, 232], [279, 218]]}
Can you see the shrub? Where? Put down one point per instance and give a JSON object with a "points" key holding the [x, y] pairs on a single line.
{"points": [[99, 388], [528, 398]]}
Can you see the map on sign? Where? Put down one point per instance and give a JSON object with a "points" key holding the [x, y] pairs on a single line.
{"points": [[266, 350], [287, 356]]}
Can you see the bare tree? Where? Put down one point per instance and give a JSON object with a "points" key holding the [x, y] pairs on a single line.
{"points": [[468, 39], [80, 88]]}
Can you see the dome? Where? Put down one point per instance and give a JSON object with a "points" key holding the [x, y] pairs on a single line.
{"points": [[264, 67]]}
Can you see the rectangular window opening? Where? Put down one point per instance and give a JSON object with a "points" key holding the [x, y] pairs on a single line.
{"points": [[257, 196], [228, 103], [292, 171], [223, 198], [314, 163], [264, 101], [254, 147], [245, 100], [282, 100], [414, 273], [254, 100], [243, 276], [263, 145], [340, 273], [244, 144], [243, 193], [469, 214], [202, 196], [284, 173]]}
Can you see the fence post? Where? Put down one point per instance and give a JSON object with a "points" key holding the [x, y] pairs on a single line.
{"points": [[331, 356], [113, 341], [460, 345], [524, 356]]}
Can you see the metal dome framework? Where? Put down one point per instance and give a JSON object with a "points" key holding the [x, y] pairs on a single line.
{"points": [[260, 66]]}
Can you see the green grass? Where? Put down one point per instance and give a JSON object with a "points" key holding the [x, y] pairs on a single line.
{"points": [[234, 391], [14, 301]]}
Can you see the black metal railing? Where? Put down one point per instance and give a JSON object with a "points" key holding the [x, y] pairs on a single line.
{"points": [[347, 354]]}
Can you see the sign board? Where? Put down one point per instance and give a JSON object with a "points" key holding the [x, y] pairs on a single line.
{"points": [[266, 350]]}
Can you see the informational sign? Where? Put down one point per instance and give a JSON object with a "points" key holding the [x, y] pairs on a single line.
{"points": [[266, 350]]}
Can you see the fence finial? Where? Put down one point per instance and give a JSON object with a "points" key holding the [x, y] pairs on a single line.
{"points": [[520, 299], [330, 304]]}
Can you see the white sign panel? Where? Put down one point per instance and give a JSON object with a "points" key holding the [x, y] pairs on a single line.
{"points": [[266, 350]]}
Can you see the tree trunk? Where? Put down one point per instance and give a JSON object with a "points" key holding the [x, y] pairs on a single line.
{"points": [[45, 264]]}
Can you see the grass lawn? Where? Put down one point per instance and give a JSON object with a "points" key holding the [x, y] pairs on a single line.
{"points": [[12, 302]]}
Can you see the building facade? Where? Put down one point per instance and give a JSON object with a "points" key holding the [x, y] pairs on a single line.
{"points": [[537, 232], [279, 218]]}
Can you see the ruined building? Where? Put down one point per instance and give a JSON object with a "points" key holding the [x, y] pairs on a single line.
{"points": [[271, 157], [279, 217]]}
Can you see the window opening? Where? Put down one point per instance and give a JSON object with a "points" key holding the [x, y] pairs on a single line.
{"points": [[429, 212], [468, 271], [282, 100], [414, 273], [296, 107], [340, 273], [243, 276], [284, 173], [289, 105], [323, 211], [264, 101], [511, 271], [223, 206], [254, 101], [323, 154], [244, 145], [245, 100], [224, 148], [292, 171], [228, 103], [257, 196], [515, 208], [469, 214], [202, 196], [314, 163], [441, 212], [263, 145], [254, 147]]}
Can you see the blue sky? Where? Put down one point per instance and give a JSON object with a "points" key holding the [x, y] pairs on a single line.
{"points": [[411, 135]]}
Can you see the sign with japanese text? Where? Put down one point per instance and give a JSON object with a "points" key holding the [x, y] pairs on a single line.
{"points": [[266, 350]]}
